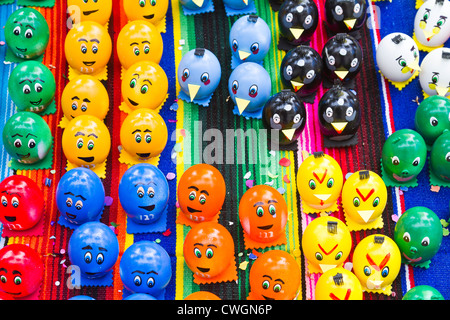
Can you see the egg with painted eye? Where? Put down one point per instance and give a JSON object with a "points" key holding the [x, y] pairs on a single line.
{"points": [[275, 275], [403, 156], [27, 137], [27, 33], [431, 27], [342, 58], [418, 234], [153, 11], [237, 4], [144, 85], [88, 47], [85, 94], [345, 15], [376, 263], [90, 10], [398, 57], [199, 74], [338, 284], [144, 193], [286, 113], [423, 292], [195, 5], [432, 118], [432, 78], [32, 86], [86, 141], [339, 115], [326, 243], [440, 157], [301, 70], [319, 182], [364, 198], [143, 134], [298, 20], [139, 40], [250, 39], [250, 87]]}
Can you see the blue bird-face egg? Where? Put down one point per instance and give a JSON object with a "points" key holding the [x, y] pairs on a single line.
{"points": [[249, 86], [94, 248], [80, 196], [199, 73], [194, 4], [250, 39], [143, 193], [237, 4], [145, 268]]}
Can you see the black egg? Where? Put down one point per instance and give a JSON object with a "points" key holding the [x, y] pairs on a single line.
{"points": [[342, 58], [301, 70], [285, 112], [339, 114], [345, 15], [298, 20]]}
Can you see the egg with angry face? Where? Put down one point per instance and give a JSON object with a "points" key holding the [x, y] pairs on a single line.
{"points": [[431, 27], [345, 15], [298, 20], [432, 78], [338, 284]]}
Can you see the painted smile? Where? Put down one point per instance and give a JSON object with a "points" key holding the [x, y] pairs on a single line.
{"points": [[203, 270], [148, 208], [150, 16], [86, 13], [402, 179], [267, 298], [192, 210], [134, 103], [86, 159], [22, 50], [266, 227], [143, 155], [89, 63], [36, 103], [412, 260], [71, 216], [23, 156], [10, 219]]}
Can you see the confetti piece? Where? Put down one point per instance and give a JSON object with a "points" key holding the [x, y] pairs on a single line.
{"points": [[115, 224], [174, 107], [53, 171], [435, 188], [230, 223], [256, 252], [348, 175], [52, 237], [240, 254], [172, 120], [2, 43], [272, 153], [62, 251], [177, 204], [271, 175], [108, 201], [281, 190], [183, 132], [251, 256], [57, 283], [62, 261], [167, 233], [249, 183], [182, 42], [247, 175], [286, 179], [445, 232], [158, 240], [444, 223], [284, 162], [394, 217], [269, 183], [305, 154], [348, 266], [404, 189], [243, 265], [170, 176]]}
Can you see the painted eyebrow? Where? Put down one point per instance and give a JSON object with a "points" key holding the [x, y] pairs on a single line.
{"points": [[150, 272], [79, 133], [3, 269], [137, 130], [134, 43], [193, 187], [75, 98], [30, 27], [78, 196], [87, 247], [280, 280], [146, 80], [146, 41], [17, 22], [272, 201], [205, 192], [17, 135], [138, 271], [198, 244], [86, 100], [267, 276], [212, 245], [69, 193], [25, 80], [82, 40], [258, 204], [413, 48], [400, 57], [93, 135], [16, 272], [102, 249], [136, 74], [30, 134], [95, 40]]}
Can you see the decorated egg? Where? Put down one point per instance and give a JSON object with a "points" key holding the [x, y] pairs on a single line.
{"points": [[418, 234], [376, 263], [432, 78], [201, 192], [319, 182], [153, 11], [250, 40], [338, 284], [85, 94], [80, 196], [342, 58], [85, 10], [32, 86], [139, 40], [423, 292], [345, 15], [143, 134], [432, 118], [250, 87], [430, 27], [339, 116], [301, 70], [139, 296], [237, 4], [81, 297], [144, 193], [27, 137], [145, 267], [298, 20], [202, 295], [364, 198], [27, 33], [397, 57], [198, 74], [196, 5], [94, 248], [88, 47], [286, 113], [403, 157], [326, 243], [275, 275], [144, 85], [263, 214], [21, 270], [22, 203], [86, 141], [440, 158]]}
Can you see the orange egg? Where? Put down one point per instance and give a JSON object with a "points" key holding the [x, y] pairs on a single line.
{"points": [[202, 295]]}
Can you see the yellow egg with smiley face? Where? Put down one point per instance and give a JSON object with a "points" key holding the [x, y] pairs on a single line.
{"points": [[90, 10], [86, 141], [139, 41], [153, 11], [144, 85], [85, 95], [88, 48]]}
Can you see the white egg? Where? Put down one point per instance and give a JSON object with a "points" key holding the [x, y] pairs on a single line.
{"points": [[398, 57], [435, 75], [430, 24]]}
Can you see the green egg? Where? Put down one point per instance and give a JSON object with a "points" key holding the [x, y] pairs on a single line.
{"points": [[432, 118], [440, 157]]}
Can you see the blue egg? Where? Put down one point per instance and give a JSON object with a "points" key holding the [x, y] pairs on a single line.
{"points": [[143, 193], [195, 5], [94, 248], [80, 196], [145, 268], [250, 87], [237, 4], [250, 40], [81, 297], [199, 74], [139, 296]]}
